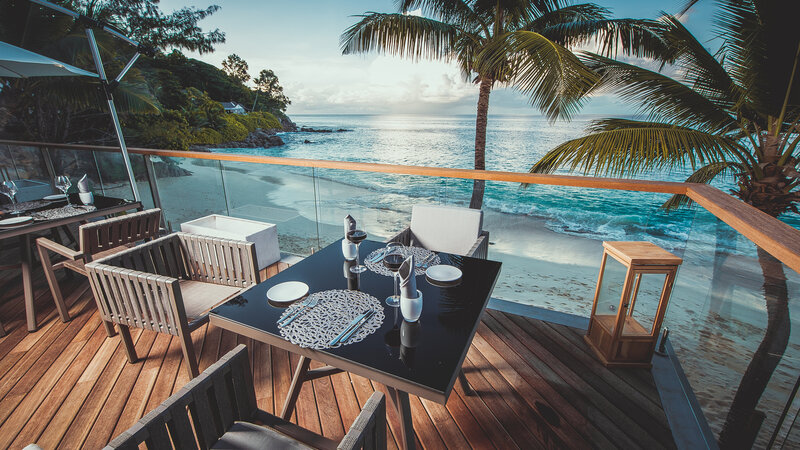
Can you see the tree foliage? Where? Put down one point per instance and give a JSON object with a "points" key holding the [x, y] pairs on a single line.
{"points": [[236, 68]]}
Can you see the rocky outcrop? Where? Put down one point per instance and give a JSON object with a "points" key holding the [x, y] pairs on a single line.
{"points": [[257, 139], [320, 130], [287, 124]]}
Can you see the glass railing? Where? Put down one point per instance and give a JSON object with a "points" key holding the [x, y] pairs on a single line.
{"points": [[734, 333]]}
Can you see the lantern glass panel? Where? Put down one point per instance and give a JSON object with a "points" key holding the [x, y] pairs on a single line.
{"points": [[642, 311], [610, 293]]}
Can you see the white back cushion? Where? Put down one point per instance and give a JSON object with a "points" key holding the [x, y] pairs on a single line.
{"points": [[448, 229]]}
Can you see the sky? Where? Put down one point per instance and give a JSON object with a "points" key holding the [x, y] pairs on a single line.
{"points": [[299, 41]]}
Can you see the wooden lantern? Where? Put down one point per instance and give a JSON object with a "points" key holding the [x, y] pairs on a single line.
{"points": [[618, 338]]}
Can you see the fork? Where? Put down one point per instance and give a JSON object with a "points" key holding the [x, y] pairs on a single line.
{"points": [[306, 305]]}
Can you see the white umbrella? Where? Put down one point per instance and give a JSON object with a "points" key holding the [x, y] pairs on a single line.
{"points": [[17, 62]]}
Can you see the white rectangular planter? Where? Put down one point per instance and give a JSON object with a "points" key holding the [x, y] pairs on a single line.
{"points": [[263, 235]]}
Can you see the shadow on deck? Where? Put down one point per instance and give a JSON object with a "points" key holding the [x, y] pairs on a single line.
{"points": [[537, 383]]}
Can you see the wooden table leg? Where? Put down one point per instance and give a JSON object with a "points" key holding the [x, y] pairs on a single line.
{"points": [[402, 407], [27, 285], [294, 390]]}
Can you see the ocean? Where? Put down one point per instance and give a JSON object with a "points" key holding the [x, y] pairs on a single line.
{"points": [[513, 144]]}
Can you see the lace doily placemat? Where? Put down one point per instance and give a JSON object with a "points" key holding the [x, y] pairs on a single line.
{"points": [[335, 309], [25, 206], [64, 211], [419, 255]]}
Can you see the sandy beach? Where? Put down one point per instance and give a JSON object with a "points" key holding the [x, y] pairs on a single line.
{"points": [[714, 333]]}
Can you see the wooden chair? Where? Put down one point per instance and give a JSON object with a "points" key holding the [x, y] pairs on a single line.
{"points": [[97, 240], [170, 284], [218, 410], [446, 229]]}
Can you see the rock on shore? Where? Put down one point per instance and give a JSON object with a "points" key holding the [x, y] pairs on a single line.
{"points": [[257, 139]]}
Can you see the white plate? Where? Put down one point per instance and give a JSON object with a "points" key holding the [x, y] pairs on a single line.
{"points": [[443, 273], [54, 197], [14, 221], [287, 292]]}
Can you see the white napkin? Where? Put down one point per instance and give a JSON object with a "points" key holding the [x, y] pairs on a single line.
{"points": [[83, 184], [408, 279], [349, 224]]}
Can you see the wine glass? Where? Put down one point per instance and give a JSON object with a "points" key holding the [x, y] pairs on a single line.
{"points": [[9, 189], [356, 236], [392, 259], [63, 184]]}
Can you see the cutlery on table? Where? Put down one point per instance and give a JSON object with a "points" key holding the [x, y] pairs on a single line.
{"points": [[426, 260], [378, 256], [352, 324], [304, 307], [360, 323]]}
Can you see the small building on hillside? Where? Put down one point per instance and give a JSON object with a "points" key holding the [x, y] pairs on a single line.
{"points": [[233, 107]]}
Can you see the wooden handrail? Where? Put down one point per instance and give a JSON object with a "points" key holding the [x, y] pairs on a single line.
{"points": [[665, 187], [779, 239]]}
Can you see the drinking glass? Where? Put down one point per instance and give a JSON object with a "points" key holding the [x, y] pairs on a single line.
{"points": [[63, 184], [356, 236], [9, 189], [392, 259]]}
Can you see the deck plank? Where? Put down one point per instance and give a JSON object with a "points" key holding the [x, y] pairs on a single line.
{"points": [[68, 385]]}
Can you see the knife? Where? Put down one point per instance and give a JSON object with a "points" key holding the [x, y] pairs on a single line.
{"points": [[352, 324], [369, 315], [377, 256]]}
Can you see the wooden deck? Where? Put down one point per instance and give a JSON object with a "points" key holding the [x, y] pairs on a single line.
{"points": [[537, 384]]}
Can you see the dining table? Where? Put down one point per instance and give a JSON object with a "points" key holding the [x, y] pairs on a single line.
{"points": [[49, 215], [422, 358]]}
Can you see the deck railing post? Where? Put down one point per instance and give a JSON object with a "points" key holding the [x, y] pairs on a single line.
{"points": [[151, 180]]}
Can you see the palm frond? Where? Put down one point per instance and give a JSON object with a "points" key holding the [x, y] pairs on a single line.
{"points": [[449, 11], [619, 147], [637, 37], [568, 14], [663, 98], [552, 77], [701, 70], [401, 35], [705, 175]]}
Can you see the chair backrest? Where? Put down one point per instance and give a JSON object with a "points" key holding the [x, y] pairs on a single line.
{"points": [[203, 409], [106, 234], [139, 287], [447, 229]]}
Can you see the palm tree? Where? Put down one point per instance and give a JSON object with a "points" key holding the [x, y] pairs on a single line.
{"points": [[520, 43], [734, 113]]}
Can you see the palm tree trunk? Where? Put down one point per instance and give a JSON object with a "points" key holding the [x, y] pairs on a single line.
{"points": [[740, 427], [478, 186]]}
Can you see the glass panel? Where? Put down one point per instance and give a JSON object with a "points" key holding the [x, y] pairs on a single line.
{"points": [[23, 163], [644, 304], [610, 293], [735, 332], [281, 195], [189, 189]]}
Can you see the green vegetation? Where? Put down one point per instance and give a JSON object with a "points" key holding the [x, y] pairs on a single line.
{"points": [[520, 43], [733, 113], [166, 101]]}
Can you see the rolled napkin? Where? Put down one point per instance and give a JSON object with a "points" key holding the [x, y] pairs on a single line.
{"points": [[83, 184], [349, 224], [408, 279]]}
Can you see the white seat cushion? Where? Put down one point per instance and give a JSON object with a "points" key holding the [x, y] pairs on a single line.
{"points": [[199, 297], [448, 229], [245, 435]]}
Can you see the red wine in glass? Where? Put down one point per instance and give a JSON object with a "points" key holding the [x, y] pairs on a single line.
{"points": [[393, 261], [356, 236]]}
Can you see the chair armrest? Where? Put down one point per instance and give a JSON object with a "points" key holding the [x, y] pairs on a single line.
{"points": [[403, 237], [54, 247], [233, 263], [481, 247], [369, 428]]}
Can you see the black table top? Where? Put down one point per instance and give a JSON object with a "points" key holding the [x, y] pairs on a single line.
{"points": [[104, 205], [443, 333]]}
